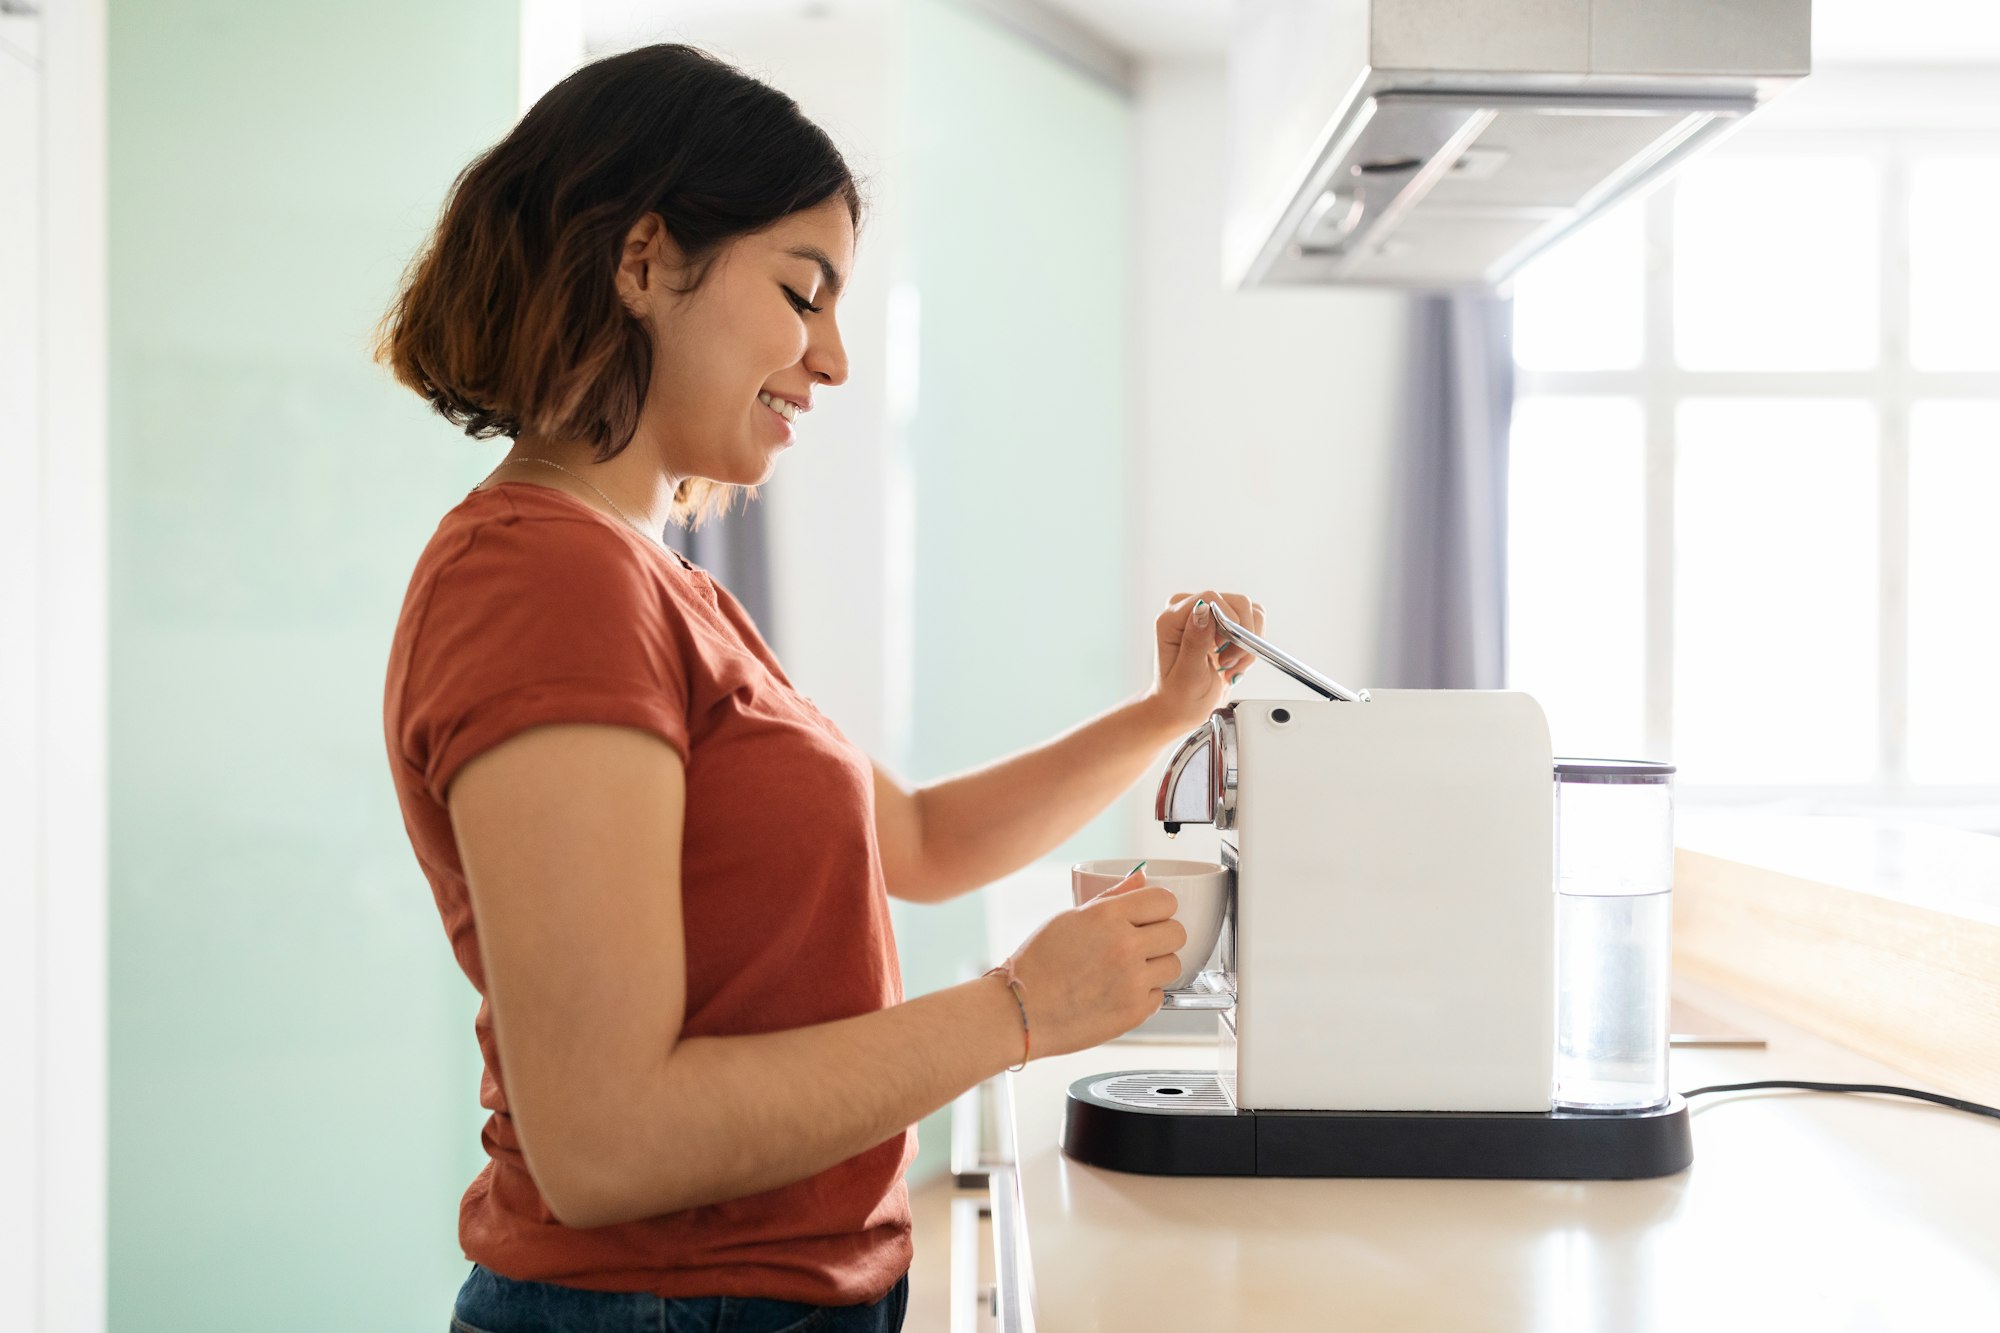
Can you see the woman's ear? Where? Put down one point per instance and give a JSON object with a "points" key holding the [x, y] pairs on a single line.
{"points": [[649, 254]]}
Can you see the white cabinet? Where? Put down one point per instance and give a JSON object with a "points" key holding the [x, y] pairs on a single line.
{"points": [[990, 1285]]}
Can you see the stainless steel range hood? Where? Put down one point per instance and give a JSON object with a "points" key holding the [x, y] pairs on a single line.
{"points": [[1443, 143]]}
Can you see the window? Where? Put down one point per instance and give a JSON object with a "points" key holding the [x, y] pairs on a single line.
{"points": [[1754, 504]]}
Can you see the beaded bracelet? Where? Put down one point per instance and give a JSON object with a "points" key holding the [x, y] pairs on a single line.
{"points": [[1020, 992]]}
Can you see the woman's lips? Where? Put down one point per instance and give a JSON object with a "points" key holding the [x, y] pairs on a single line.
{"points": [[779, 417]]}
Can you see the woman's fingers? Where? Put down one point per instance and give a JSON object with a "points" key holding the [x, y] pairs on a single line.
{"points": [[1231, 659], [1235, 605], [1150, 903], [1175, 625], [1135, 880], [1163, 939]]}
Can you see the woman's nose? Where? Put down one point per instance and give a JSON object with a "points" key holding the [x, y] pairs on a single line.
{"points": [[826, 357]]}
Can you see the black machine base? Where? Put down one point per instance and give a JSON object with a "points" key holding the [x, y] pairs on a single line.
{"points": [[1167, 1137]]}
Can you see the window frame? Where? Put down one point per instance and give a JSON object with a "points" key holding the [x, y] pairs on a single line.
{"points": [[1893, 386]]}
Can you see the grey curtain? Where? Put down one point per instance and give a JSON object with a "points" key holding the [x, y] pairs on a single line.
{"points": [[735, 549], [1447, 588]]}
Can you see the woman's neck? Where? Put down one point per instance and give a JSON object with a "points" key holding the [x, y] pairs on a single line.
{"points": [[636, 488]]}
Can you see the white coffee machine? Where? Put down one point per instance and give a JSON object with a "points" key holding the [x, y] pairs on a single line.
{"points": [[1385, 982]]}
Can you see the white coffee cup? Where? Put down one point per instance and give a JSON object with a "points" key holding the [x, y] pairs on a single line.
{"points": [[1202, 888]]}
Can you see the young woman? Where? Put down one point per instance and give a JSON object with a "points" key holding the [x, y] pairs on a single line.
{"points": [[664, 871]]}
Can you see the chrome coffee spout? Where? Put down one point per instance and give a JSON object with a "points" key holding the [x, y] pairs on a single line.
{"points": [[1199, 786]]}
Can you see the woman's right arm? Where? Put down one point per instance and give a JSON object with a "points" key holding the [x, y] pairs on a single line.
{"points": [[570, 837]]}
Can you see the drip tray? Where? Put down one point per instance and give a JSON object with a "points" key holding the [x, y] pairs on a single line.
{"points": [[1168, 1122], [1196, 1094]]}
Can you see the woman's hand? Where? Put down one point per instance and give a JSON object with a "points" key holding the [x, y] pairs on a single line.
{"points": [[1194, 668], [1097, 971]]}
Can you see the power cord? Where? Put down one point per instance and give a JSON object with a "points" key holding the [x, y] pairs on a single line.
{"points": [[1955, 1103]]}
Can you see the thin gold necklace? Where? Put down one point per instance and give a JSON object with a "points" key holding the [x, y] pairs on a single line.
{"points": [[618, 508]]}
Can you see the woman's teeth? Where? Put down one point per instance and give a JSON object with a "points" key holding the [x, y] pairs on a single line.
{"points": [[789, 411]]}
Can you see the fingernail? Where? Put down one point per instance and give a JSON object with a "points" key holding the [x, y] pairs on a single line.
{"points": [[1238, 676], [1200, 612]]}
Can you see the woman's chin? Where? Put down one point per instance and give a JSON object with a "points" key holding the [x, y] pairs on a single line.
{"points": [[752, 469]]}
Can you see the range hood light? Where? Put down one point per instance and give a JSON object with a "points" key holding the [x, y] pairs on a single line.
{"points": [[1332, 220]]}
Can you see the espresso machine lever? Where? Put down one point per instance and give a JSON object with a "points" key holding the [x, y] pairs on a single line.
{"points": [[1284, 661]]}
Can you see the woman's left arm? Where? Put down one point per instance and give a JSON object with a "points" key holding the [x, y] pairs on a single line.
{"points": [[942, 840]]}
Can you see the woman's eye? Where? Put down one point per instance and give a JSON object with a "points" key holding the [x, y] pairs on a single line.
{"points": [[800, 303]]}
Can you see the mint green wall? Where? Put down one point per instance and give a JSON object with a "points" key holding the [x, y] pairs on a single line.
{"points": [[1017, 183], [292, 1069]]}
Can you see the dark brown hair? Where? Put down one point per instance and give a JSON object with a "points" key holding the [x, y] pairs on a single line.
{"points": [[508, 320]]}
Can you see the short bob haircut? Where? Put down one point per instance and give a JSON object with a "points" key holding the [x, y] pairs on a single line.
{"points": [[508, 321]]}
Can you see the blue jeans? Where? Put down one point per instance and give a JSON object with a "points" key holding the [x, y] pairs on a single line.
{"points": [[490, 1303]]}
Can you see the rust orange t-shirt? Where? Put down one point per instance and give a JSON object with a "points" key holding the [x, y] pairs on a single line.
{"points": [[529, 608]]}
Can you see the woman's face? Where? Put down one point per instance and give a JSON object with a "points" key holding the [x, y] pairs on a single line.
{"points": [[754, 341]]}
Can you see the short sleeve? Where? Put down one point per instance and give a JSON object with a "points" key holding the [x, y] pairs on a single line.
{"points": [[536, 623]]}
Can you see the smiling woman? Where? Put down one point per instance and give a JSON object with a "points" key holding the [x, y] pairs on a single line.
{"points": [[665, 871], [637, 287]]}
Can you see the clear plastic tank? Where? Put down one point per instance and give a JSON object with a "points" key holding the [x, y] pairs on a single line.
{"points": [[1614, 941]]}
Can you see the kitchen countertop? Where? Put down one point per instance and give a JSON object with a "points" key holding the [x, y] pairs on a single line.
{"points": [[1830, 1212], [1942, 869]]}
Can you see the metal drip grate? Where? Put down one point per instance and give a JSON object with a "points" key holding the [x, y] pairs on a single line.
{"points": [[1190, 1094]]}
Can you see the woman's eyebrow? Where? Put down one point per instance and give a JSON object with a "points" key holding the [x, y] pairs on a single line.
{"points": [[818, 256]]}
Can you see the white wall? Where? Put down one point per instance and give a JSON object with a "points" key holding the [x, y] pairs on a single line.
{"points": [[52, 669], [1262, 421], [21, 814]]}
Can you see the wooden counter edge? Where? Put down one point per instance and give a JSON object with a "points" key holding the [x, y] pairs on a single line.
{"points": [[1913, 987]]}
